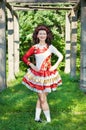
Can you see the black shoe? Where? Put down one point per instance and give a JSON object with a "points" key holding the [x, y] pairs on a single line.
{"points": [[40, 121]]}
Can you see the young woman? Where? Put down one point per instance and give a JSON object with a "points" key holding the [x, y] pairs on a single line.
{"points": [[42, 77]]}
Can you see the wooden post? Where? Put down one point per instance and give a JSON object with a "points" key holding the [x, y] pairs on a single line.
{"points": [[73, 43], [2, 46], [67, 46], [10, 46], [16, 44], [83, 46]]}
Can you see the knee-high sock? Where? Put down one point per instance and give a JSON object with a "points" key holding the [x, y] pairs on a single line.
{"points": [[47, 115], [37, 113]]}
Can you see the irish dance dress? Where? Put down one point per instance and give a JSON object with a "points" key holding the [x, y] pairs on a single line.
{"points": [[42, 80]]}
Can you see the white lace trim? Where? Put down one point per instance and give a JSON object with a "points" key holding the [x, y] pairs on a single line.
{"points": [[39, 91]]}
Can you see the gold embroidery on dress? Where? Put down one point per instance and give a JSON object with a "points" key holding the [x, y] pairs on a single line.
{"points": [[42, 80]]}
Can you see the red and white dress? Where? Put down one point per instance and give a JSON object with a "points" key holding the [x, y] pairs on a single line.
{"points": [[42, 80]]}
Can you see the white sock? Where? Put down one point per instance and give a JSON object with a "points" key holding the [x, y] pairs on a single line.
{"points": [[47, 115], [37, 113]]}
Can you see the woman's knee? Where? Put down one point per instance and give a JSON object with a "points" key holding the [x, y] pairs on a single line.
{"points": [[42, 98]]}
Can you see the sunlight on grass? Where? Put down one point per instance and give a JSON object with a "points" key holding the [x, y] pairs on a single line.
{"points": [[67, 105], [4, 118]]}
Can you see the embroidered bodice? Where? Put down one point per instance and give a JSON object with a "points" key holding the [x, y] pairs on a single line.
{"points": [[42, 55]]}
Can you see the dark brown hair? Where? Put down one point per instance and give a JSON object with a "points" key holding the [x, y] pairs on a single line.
{"points": [[48, 31]]}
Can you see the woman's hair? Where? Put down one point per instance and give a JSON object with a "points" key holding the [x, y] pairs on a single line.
{"points": [[48, 31]]}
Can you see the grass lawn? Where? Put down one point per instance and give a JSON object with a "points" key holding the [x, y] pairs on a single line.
{"points": [[67, 105]]}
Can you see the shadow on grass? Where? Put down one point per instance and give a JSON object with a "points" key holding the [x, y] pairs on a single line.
{"points": [[17, 107]]}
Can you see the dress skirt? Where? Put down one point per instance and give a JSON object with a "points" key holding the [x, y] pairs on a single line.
{"points": [[42, 81]]}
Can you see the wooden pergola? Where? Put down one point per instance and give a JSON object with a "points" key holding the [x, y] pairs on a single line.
{"points": [[11, 6]]}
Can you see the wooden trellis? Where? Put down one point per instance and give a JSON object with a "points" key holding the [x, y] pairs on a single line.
{"points": [[13, 35]]}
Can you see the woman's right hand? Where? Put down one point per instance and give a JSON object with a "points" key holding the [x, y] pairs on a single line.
{"points": [[33, 67]]}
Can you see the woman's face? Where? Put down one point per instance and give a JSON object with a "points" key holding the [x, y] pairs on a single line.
{"points": [[42, 35]]}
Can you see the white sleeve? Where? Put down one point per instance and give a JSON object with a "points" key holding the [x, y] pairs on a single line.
{"points": [[58, 54], [55, 51]]}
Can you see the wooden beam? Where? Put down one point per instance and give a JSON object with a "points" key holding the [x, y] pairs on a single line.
{"points": [[67, 45], [16, 45], [11, 10], [20, 1], [10, 26], [73, 43], [41, 8], [44, 4], [2, 46], [41, 1], [76, 7], [83, 47]]}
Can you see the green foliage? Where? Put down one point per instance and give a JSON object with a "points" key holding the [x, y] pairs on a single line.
{"points": [[67, 105], [29, 20], [56, 21]]}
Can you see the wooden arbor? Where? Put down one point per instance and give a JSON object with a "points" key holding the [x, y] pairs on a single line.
{"points": [[13, 37], [2, 46]]}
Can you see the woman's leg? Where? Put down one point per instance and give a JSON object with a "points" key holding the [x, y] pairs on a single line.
{"points": [[38, 111], [44, 105]]}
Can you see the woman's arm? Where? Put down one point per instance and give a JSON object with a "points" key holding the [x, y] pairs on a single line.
{"points": [[59, 55], [26, 56]]}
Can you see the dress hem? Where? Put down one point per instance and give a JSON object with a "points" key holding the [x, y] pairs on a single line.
{"points": [[49, 90]]}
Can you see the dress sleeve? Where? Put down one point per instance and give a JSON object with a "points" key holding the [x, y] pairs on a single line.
{"points": [[55, 51], [27, 55], [58, 54]]}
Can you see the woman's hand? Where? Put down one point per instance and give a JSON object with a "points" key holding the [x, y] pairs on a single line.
{"points": [[33, 67], [52, 68]]}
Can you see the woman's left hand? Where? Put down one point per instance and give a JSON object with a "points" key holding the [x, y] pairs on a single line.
{"points": [[52, 68]]}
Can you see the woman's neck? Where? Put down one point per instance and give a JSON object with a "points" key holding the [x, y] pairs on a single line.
{"points": [[42, 42]]}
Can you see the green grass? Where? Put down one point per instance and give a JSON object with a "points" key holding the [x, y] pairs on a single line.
{"points": [[67, 105]]}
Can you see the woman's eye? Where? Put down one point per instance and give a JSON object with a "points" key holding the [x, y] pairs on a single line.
{"points": [[42, 34]]}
